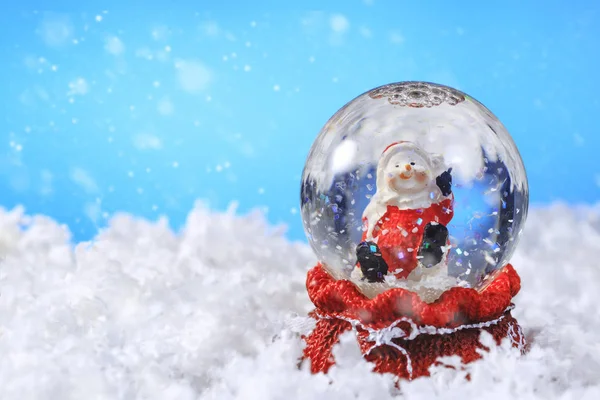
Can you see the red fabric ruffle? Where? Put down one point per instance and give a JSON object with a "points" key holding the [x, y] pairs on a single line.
{"points": [[402, 334]]}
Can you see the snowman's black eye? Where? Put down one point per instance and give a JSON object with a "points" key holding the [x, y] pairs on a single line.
{"points": [[397, 166], [412, 163]]}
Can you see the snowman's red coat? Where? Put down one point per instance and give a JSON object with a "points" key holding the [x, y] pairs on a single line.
{"points": [[399, 233]]}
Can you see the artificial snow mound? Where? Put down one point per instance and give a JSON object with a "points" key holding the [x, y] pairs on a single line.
{"points": [[208, 313]]}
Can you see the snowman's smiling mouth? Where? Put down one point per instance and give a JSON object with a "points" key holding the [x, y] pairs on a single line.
{"points": [[405, 175]]}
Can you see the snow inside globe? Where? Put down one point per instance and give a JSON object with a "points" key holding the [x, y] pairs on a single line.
{"points": [[414, 185]]}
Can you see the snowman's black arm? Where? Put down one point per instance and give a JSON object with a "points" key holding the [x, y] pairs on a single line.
{"points": [[444, 182]]}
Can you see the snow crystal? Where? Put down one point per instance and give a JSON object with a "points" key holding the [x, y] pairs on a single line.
{"points": [[215, 312], [396, 38], [55, 29], [193, 76], [165, 106], [83, 178], [78, 86], [113, 45], [146, 141], [339, 23]]}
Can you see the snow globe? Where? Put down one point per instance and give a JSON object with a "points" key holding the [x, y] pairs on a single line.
{"points": [[413, 198]]}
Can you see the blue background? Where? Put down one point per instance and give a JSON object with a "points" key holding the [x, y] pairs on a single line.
{"points": [[145, 107]]}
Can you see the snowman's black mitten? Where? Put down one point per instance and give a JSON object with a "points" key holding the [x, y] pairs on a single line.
{"points": [[444, 182], [371, 262], [434, 238]]}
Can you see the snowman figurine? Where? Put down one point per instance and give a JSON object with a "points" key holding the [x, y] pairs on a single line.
{"points": [[404, 226]]}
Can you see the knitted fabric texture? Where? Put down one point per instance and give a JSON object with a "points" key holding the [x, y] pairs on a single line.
{"points": [[402, 334]]}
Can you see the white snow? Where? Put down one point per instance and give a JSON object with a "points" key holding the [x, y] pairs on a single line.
{"points": [[78, 86], [428, 283], [113, 45], [193, 75], [84, 179], [211, 28], [396, 38], [208, 312], [165, 107], [339, 23], [147, 141], [56, 29], [365, 32]]}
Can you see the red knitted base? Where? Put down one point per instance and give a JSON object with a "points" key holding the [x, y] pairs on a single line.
{"points": [[399, 332]]}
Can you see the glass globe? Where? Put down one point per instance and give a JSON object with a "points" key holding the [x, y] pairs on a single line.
{"points": [[414, 185]]}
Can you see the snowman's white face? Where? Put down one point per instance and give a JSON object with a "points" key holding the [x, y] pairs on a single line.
{"points": [[408, 172]]}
